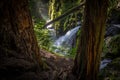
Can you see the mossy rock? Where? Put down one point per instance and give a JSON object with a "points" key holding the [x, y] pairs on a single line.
{"points": [[112, 47], [111, 71]]}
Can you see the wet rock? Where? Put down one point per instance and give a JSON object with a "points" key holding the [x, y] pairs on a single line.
{"points": [[112, 30], [115, 16], [113, 47], [111, 71]]}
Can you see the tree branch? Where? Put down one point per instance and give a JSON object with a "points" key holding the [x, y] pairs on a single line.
{"points": [[76, 8]]}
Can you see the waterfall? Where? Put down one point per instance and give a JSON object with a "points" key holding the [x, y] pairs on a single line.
{"points": [[104, 63], [64, 43], [67, 38]]}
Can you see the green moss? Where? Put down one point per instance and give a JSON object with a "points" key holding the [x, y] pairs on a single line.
{"points": [[105, 49], [111, 47], [115, 45]]}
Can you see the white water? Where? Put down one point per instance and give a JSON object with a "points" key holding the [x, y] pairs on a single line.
{"points": [[67, 39], [104, 63], [49, 26], [64, 43]]}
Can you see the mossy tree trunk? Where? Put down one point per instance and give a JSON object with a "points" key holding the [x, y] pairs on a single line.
{"points": [[87, 60], [19, 51], [58, 8]]}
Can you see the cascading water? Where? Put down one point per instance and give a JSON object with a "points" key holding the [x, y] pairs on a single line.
{"points": [[52, 31], [67, 38], [64, 43], [104, 63]]}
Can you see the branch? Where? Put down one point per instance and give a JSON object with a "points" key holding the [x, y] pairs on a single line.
{"points": [[65, 14]]}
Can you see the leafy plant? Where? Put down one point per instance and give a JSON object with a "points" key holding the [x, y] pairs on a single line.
{"points": [[72, 53], [43, 36]]}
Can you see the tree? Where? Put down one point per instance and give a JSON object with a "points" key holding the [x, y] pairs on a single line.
{"points": [[19, 51], [87, 60]]}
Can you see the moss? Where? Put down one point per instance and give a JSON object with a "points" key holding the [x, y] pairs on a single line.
{"points": [[111, 47], [105, 49], [58, 7], [115, 45]]}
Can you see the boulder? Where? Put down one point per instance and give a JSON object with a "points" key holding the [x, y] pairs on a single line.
{"points": [[111, 71], [112, 30], [111, 47]]}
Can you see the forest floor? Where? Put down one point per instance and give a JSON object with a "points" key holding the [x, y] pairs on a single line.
{"points": [[54, 67], [58, 66]]}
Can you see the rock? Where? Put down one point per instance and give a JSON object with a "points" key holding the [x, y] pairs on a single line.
{"points": [[104, 63], [112, 30], [114, 18], [111, 48], [111, 71]]}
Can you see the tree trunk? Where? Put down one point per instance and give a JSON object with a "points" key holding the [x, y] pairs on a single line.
{"points": [[87, 60], [19, 51]]}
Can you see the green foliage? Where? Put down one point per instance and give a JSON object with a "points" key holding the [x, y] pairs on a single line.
{"points": [[43, 36], [72, 52], [105, 48]]}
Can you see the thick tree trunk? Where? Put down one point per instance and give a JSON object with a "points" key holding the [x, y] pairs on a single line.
{"points": [[87, 60], [19, 51]]}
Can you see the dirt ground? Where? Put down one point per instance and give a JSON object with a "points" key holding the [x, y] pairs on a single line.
{"points": [[59, 66], [55, 67]]}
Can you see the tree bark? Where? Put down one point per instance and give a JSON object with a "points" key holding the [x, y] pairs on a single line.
{"points": [[87, 60], [18, 45]]}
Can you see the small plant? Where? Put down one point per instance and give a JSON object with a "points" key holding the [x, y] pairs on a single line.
{"points": [[42, 34], [72, 53]]}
